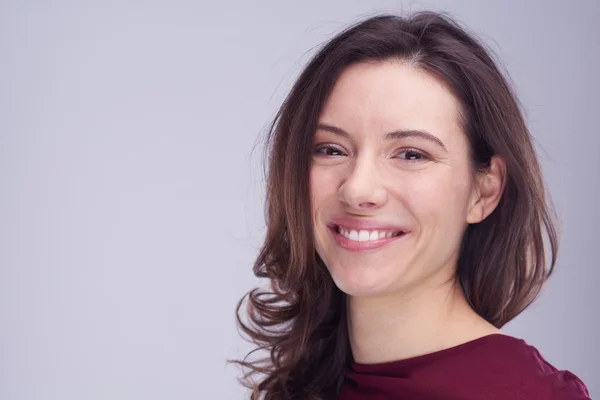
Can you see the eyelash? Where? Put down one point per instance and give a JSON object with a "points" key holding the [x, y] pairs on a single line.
{"points": [[421, 154], [327, 147]]}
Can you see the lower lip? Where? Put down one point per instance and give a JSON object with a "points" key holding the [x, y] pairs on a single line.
{"points": [[368, 245]]}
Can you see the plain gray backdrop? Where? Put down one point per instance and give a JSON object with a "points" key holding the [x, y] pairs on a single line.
{"points": [[132, 187]]}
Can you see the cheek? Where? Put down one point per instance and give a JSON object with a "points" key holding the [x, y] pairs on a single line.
{"points": [[323, 197], [440, 199], [322, 186]]}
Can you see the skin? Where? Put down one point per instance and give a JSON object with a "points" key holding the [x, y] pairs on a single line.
{"points": [[402, 298]]}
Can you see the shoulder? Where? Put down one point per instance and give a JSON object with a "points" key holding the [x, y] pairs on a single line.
{"points": [[532, 373], [564, 385], [560, 384]]}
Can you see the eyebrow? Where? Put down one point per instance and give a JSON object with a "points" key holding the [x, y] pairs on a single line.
{"points": [[399, 134]]}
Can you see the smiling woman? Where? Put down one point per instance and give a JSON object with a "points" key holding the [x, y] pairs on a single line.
{"points": [[388, 176], [406, 223]]}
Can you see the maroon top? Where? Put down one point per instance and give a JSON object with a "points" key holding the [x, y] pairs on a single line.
{"points": [[494, 367]]}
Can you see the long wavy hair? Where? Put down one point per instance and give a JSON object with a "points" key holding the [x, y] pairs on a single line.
{"points": [[301, 320]]}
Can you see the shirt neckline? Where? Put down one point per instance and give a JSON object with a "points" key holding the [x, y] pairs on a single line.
{"points": [[444, 353]]}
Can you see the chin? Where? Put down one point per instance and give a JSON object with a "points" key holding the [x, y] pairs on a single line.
{"points": [[361, 290], [362, 283]]}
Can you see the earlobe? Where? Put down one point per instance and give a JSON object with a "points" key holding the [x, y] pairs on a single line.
{"points": [[488, 191]]}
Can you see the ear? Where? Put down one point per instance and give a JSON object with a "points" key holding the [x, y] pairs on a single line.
{"points": [[489, 186]]}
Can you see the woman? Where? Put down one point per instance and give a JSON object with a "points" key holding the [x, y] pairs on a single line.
{"points": [[406, 213]]}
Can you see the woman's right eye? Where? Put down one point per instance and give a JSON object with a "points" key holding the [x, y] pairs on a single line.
{"points": [[328, 150]]}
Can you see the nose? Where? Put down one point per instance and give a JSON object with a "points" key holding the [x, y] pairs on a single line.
{"points": [[362, 188]]}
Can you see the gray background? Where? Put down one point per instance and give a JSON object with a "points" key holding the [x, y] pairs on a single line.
{"points": [[132, 188]]}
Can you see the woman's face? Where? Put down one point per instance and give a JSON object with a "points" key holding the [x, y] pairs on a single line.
{"points": [[391, 183]]}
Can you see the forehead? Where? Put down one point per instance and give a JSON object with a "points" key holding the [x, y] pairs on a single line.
{"points": [[390, 95]]}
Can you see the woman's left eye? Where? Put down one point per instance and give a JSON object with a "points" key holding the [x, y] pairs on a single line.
{"points": [[412, 155]]}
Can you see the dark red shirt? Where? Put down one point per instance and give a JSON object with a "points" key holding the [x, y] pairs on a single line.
{"points": [[495, 367]]}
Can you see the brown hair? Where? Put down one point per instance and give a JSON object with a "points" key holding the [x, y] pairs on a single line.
{"points": [[301, 320]]}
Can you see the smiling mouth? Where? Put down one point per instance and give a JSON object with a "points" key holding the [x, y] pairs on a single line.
{"points": [[366, 235]]}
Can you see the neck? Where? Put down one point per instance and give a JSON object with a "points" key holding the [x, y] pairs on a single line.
{"points": [[412, 323]]}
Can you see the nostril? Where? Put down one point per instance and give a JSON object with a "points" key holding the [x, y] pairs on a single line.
{"points": [[367, 204]]}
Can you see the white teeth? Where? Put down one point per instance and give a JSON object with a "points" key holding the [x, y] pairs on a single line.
{"points": [[364, 235]]}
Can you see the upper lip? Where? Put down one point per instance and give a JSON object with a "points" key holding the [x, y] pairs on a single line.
{"points": [[363, 223]]}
